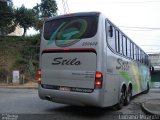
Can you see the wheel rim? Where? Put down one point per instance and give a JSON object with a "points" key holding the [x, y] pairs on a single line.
{"points": [[122, 98], [129, 95]]}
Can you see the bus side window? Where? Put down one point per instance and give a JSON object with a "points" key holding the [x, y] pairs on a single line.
{"points": [[117, 41], [128, 48], [135, 52], [110, 31], [124, 45], [143, 58], [147, 60], [139, 53], [121, 43], [132, 51]]}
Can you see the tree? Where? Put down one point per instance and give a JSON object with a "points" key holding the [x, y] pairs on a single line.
{"points": [[47, 8], [38, 24], [7, 19], [25, 18]]}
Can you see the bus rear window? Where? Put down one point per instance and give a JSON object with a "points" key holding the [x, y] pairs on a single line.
{"points": [[70, 28]]}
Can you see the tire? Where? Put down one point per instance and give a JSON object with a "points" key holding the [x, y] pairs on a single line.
{"points": [[121, 101], [128, 96]]}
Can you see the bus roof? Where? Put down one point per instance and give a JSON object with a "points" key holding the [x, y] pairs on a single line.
{"points": [[74, 15]]}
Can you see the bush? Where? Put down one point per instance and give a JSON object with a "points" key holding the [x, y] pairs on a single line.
{"points": [[20, 61], [3, 75], [19, 53], [21, 65]]}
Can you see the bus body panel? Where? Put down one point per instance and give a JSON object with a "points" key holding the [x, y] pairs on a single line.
{"points": [[111, 94], [125, 69], [75, 69], [80, 77], [73, 98]]}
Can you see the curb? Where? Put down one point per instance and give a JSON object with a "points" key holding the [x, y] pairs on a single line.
{"points": [[20, 87], [147, 111]]}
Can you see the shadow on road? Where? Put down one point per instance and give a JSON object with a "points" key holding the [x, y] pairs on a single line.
{"points": [[86, 112]]}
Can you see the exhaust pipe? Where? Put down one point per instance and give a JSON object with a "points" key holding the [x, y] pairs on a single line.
{"points": [[48, 98]]}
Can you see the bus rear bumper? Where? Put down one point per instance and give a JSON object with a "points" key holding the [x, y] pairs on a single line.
{"points": [[72, 98]]}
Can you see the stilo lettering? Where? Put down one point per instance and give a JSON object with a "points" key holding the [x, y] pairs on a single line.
{"points": [[62, 61], [65, 62], [74, 61]]}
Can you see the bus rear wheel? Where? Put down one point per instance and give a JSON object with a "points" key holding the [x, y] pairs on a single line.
{"points": [[121, 100], [128, 96]]}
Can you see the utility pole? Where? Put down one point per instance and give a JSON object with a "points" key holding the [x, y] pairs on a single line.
{"points": [[65, 6]]}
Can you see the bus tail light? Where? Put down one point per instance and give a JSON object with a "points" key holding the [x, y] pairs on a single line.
{"points": [[39, 76], [68, 15], [98, 80]]}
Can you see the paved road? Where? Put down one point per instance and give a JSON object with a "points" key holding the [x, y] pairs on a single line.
{"points": [[26, 105]]}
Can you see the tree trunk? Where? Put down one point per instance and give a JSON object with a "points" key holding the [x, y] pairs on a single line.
{"points": [[24, 33]]}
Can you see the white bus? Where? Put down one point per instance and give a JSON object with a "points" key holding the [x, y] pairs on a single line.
{"points": [[86, 60]]}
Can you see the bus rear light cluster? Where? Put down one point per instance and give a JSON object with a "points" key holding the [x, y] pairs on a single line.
{"points": [[70, 14], [98, 80], [39, 76]]}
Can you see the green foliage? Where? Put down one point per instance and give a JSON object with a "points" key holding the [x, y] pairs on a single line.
{"points": [[3, 75], [38, 25], [25, 18], [20, 64], [27, 60], [7, 19], [20, 61], [47, 8], [33, 40], [22, 54]]}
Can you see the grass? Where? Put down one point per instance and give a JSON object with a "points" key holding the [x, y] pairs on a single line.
{"points": [[16, 55]]}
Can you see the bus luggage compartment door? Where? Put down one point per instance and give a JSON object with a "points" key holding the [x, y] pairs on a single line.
{"points": [[70, 69]]}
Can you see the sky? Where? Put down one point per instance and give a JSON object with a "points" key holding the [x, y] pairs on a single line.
{"points": [[138, 19]]}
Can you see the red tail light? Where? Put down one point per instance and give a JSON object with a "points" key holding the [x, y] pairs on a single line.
{"points": [[98, 75], [98, 80], [39, 76], [98, 83], [70, 14]]}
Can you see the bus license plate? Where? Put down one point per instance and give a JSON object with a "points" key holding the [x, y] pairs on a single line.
{"points": [[64, 89]]}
